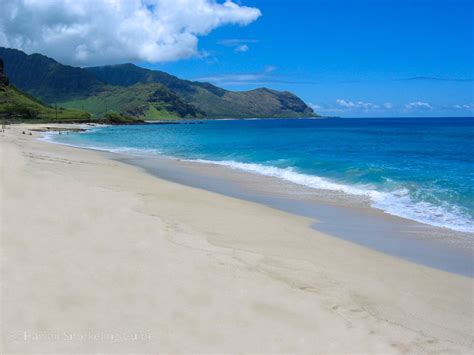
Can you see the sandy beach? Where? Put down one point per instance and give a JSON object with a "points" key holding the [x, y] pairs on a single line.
{"points": [[100, 256]]}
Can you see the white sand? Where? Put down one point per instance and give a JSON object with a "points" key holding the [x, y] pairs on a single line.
{"points": [[92, 247]]}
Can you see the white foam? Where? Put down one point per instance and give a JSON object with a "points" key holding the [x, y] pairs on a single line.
{"points": [[397, 203], [49, 137]]}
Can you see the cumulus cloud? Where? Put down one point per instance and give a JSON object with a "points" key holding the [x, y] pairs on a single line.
{"points": [[89, 32], [356, 105], [418, 105]]}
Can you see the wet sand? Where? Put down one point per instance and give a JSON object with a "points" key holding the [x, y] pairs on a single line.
{"points": [[335, 213]]}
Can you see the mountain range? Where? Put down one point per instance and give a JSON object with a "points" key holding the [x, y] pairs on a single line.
{"points": [[16, 105], [141, 93]]}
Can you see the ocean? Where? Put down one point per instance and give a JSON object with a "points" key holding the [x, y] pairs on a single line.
{"points": [[420, 169]]}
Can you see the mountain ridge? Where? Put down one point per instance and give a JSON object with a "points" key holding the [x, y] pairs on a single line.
{"points": [[140, 92], [17, 106]]}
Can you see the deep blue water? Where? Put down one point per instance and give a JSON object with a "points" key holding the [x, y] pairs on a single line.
{"points": [[417, 168]]}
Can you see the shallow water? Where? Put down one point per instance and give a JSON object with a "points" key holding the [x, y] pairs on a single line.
{"points": [[417, 168], [334, 213]]}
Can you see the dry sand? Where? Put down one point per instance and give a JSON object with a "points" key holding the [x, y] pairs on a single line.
{"points": [[101, 256]]}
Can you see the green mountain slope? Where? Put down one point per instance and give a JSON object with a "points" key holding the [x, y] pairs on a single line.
{"points": [[148, 101], [18, 106], [214, 101], [45, 78], [140, 92]]}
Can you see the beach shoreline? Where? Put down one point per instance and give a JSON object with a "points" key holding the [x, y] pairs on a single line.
{"points": [[126, 252], [337, 213], [395, 182]]}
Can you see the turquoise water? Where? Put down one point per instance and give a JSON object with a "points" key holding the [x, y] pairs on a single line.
{"points": [[418, 168]]}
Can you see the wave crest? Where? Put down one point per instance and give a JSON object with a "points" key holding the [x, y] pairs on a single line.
{"points": [[397, 202]]}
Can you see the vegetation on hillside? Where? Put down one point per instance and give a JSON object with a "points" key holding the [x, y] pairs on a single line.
{"points": [[140, 92], [114, 118], [17, 106], [213, 101], [45, 78], [149, 101]]}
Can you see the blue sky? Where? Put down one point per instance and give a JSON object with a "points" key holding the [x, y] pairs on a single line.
{"points": [[347, 57], [344, 57]]}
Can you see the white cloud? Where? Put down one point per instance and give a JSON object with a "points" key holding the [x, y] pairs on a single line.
{"points": [[241, 78], [269, 69], [464, 107], [242, 48], [387, 105], [314, 106], [357, 105], [239, 45], [418, 105], [236, 41], [344, 103], [89, 32]]}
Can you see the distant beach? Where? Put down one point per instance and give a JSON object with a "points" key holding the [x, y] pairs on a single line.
{"points": [[93, 247]]}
